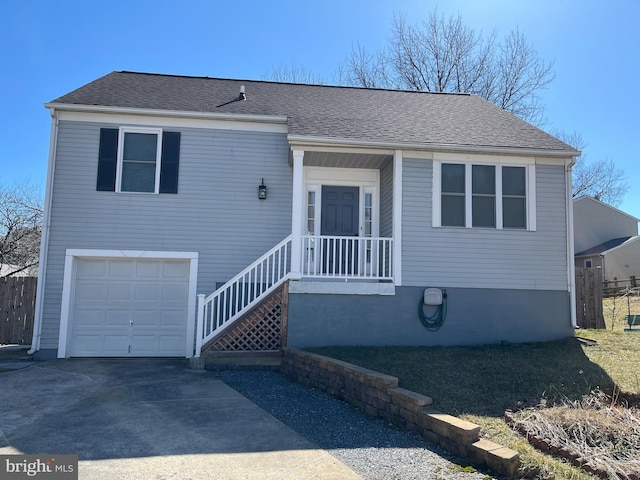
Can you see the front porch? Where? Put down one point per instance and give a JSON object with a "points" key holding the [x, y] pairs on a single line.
{"points": [[346, 227]]}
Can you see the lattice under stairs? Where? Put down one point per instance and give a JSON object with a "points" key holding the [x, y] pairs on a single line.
{"points": [[261, 329]]}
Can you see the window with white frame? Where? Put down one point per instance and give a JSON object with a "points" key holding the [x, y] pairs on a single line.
{"points": [[484, 195], [139, 160]]}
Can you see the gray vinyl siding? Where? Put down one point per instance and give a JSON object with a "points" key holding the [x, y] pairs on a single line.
{"points": [[216, 211], [386, 200], [484, 258]]}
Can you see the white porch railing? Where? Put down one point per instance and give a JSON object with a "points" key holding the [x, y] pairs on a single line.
{"points": [[219, 310], [347, 257]]}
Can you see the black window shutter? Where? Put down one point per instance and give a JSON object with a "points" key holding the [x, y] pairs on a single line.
{"points": [[170, 161], [107, 160]]}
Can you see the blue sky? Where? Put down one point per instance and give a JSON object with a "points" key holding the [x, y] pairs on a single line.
{"points": [[52, 47]]}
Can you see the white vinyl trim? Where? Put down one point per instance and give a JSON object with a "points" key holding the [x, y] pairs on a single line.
{"points": [[298, 202], [170, 118], [302, 141], [436, 195], [468, 194], [532, 223], [397, 217], [343, 288], [68, 285]]}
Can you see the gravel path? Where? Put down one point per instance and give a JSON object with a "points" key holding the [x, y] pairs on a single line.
{"points": [[369, 446]]}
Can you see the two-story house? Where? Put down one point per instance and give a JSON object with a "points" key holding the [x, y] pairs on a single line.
{"points": [[188, 213]]}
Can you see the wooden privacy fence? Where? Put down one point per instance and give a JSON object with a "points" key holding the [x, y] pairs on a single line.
{"points": [[17, 309], [589, 298]]}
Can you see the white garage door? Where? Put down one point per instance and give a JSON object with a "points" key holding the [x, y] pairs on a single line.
{"points": [[129, 308]]}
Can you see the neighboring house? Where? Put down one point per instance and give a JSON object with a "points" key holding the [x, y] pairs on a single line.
{"points": [[606, 237], [156, 195]]}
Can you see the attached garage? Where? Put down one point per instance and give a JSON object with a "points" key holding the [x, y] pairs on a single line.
{"points": [[131, 304]]}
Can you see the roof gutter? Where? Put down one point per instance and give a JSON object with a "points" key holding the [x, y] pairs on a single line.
{"points": [[302, 141], [68, 107], [44, 240]]}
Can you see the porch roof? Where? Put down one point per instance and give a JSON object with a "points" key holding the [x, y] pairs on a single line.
{"points": [[326, 112]]}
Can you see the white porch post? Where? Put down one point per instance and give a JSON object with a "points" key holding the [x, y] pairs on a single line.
{"points": [[296, 215], [397, 218]]}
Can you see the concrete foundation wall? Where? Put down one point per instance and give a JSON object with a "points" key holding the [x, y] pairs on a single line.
{"points": [[474, 316]]}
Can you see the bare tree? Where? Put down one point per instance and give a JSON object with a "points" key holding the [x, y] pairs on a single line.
{"points": [[364, 69], [445, 55], [20, 228], [292, 73], [600, 179]]}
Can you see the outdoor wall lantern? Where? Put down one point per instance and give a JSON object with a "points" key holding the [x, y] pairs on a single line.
{"points": [[262, 191]]}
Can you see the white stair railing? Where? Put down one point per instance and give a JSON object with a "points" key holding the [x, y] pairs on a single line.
{"points": [[218, 311]]}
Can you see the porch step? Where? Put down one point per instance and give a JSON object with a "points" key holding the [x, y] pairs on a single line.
{"points": [[239, 360]]}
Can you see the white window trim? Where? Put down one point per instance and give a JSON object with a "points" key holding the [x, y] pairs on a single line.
{"points": [[69, 281], [119, 167], [590, 262], [530, 174]]}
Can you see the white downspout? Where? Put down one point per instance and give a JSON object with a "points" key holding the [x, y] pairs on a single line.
{"points": [[571, 268], [44, 240]]}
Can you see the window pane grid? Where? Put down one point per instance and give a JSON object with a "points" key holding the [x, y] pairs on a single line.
{"points": [[514, 199], [139, 162], [483, 200], [484, 207], [453, 195]]}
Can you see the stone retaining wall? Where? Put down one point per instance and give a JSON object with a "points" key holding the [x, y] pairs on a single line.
{"points": [[379, 395]]}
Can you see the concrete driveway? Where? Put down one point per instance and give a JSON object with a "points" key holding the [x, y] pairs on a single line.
{"points": [[150, 419]]}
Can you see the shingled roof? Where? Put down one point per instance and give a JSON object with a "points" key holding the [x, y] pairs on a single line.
{"points": [[391, 117], [606, 246]]}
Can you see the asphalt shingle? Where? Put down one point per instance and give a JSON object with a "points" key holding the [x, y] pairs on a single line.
{"points": [[387, 116]]}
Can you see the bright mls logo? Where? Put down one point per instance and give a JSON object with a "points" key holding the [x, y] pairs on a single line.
{"points": [[50, 467]]}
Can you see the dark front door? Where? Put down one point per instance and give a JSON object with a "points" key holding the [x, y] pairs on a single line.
{"points": [[339, 217]]}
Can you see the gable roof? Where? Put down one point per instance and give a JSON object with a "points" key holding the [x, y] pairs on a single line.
{"points": [[385, 117], [598, 202], [607, 246]]}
